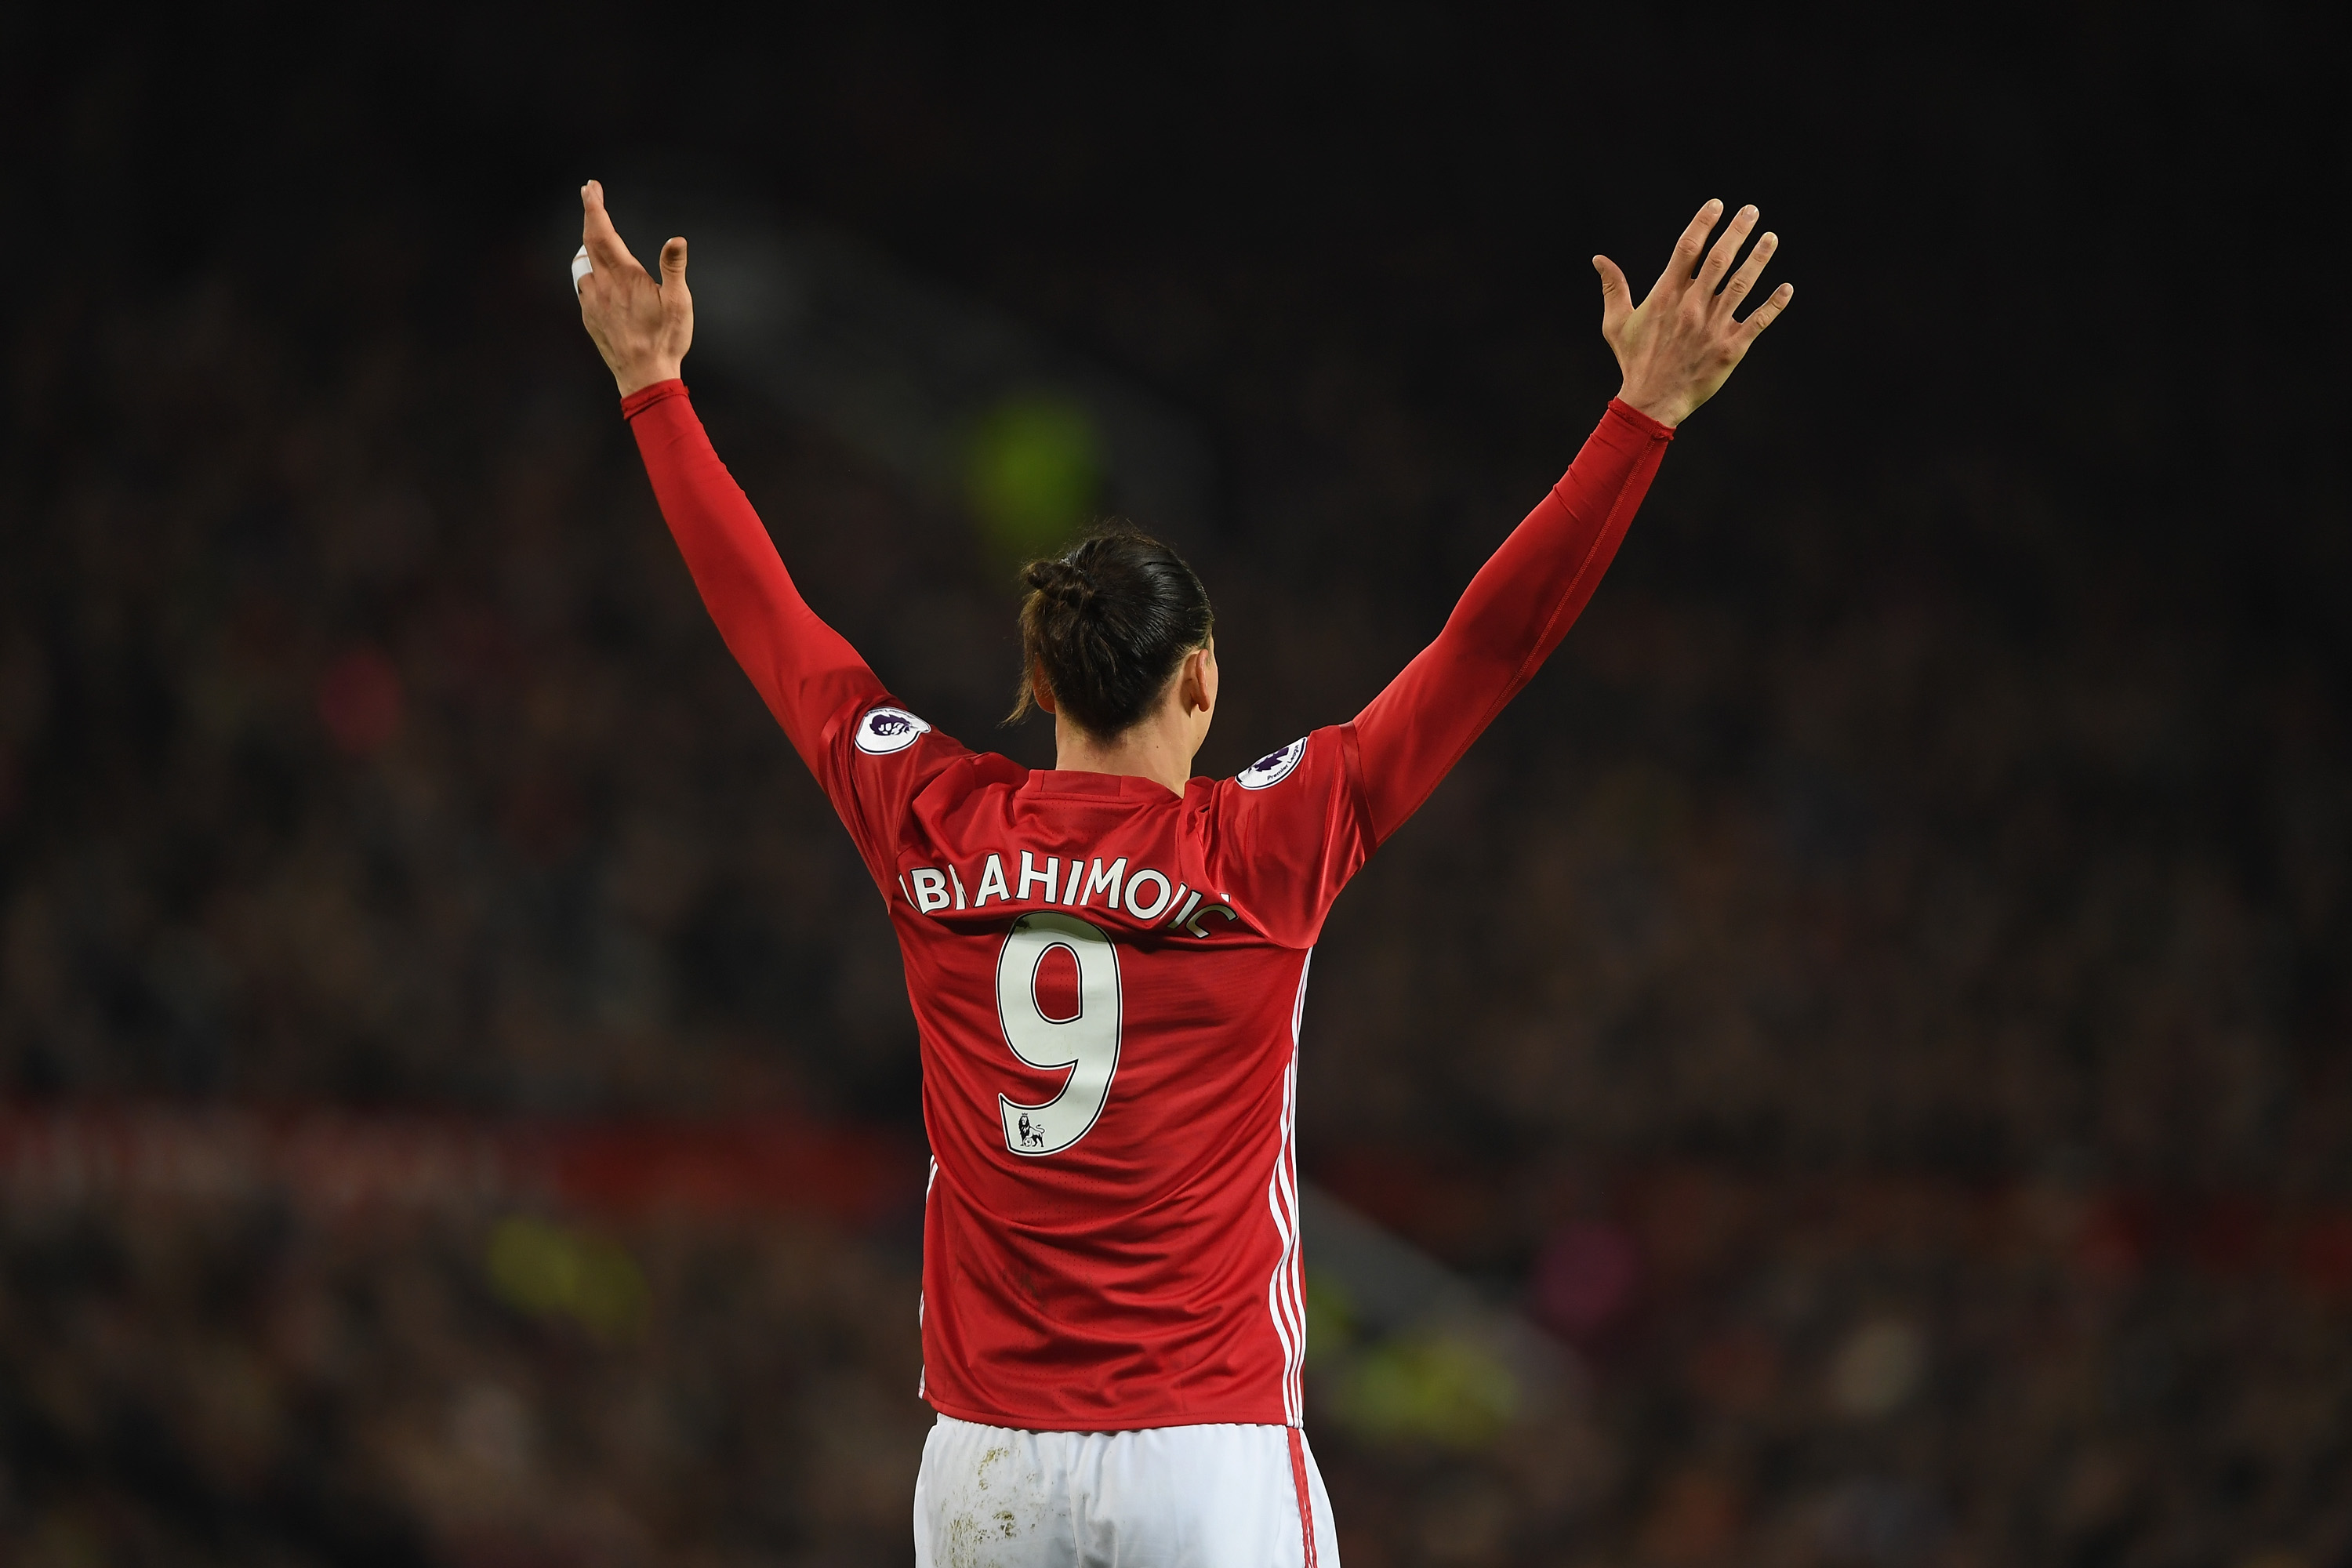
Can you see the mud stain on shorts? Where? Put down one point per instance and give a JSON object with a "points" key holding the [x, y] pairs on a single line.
{"points": [[988, 1516]]}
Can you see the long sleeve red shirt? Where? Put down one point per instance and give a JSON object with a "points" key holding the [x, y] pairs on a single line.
{"points": [[1108, 980]]}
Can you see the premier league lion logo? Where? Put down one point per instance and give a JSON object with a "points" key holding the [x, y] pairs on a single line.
{"points": [[1271, 768], [886, 730]]}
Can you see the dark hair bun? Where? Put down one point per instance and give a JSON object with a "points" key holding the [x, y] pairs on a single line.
{"points": [[1062, 581], [1105, 624]]}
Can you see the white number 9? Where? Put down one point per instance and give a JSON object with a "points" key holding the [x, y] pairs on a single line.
{"points": [[1086, 1043]]}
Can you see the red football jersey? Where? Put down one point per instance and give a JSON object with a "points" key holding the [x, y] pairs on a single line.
{"points": [[1108, 979]]}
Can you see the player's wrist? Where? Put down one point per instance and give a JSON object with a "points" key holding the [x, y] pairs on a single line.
{"points": [[1668, 409], [635, 376]]}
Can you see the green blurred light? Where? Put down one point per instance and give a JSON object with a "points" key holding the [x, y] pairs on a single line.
{"points": [[548, 1271], [1330, 1319], [1436, 1387], [1032, 473]]}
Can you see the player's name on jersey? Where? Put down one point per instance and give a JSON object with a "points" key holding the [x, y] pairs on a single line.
{"points": [[1148, 894]]}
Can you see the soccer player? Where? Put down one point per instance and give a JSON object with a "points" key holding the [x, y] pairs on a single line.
{"points": [[1108, 959]]}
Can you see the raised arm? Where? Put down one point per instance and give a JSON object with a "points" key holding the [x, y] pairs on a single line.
{"points": [[1675, 350], [803, 670]]}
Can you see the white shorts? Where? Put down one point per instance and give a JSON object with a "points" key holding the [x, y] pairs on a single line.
{"points": [[1166, 1497]]}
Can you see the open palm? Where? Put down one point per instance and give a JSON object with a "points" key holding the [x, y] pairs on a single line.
{"points": [[1681, 344]]}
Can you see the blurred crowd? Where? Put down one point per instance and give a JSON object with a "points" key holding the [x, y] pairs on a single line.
{"points": [[1867, 1368], [1786, 1371], [248, 1384], [1846, 1021]]}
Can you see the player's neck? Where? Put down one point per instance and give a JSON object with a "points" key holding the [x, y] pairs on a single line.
{"points": [[1154, 749]]}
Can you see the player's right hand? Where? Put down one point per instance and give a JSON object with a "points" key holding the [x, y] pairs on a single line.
{"points": [[643, 327], [1678, 346]]}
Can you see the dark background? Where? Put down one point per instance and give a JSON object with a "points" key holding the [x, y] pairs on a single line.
{"points": [[1913, 903]]}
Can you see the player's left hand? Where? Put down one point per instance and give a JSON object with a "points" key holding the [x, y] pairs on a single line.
{"points": [[642, 328], [1681, 344]]}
